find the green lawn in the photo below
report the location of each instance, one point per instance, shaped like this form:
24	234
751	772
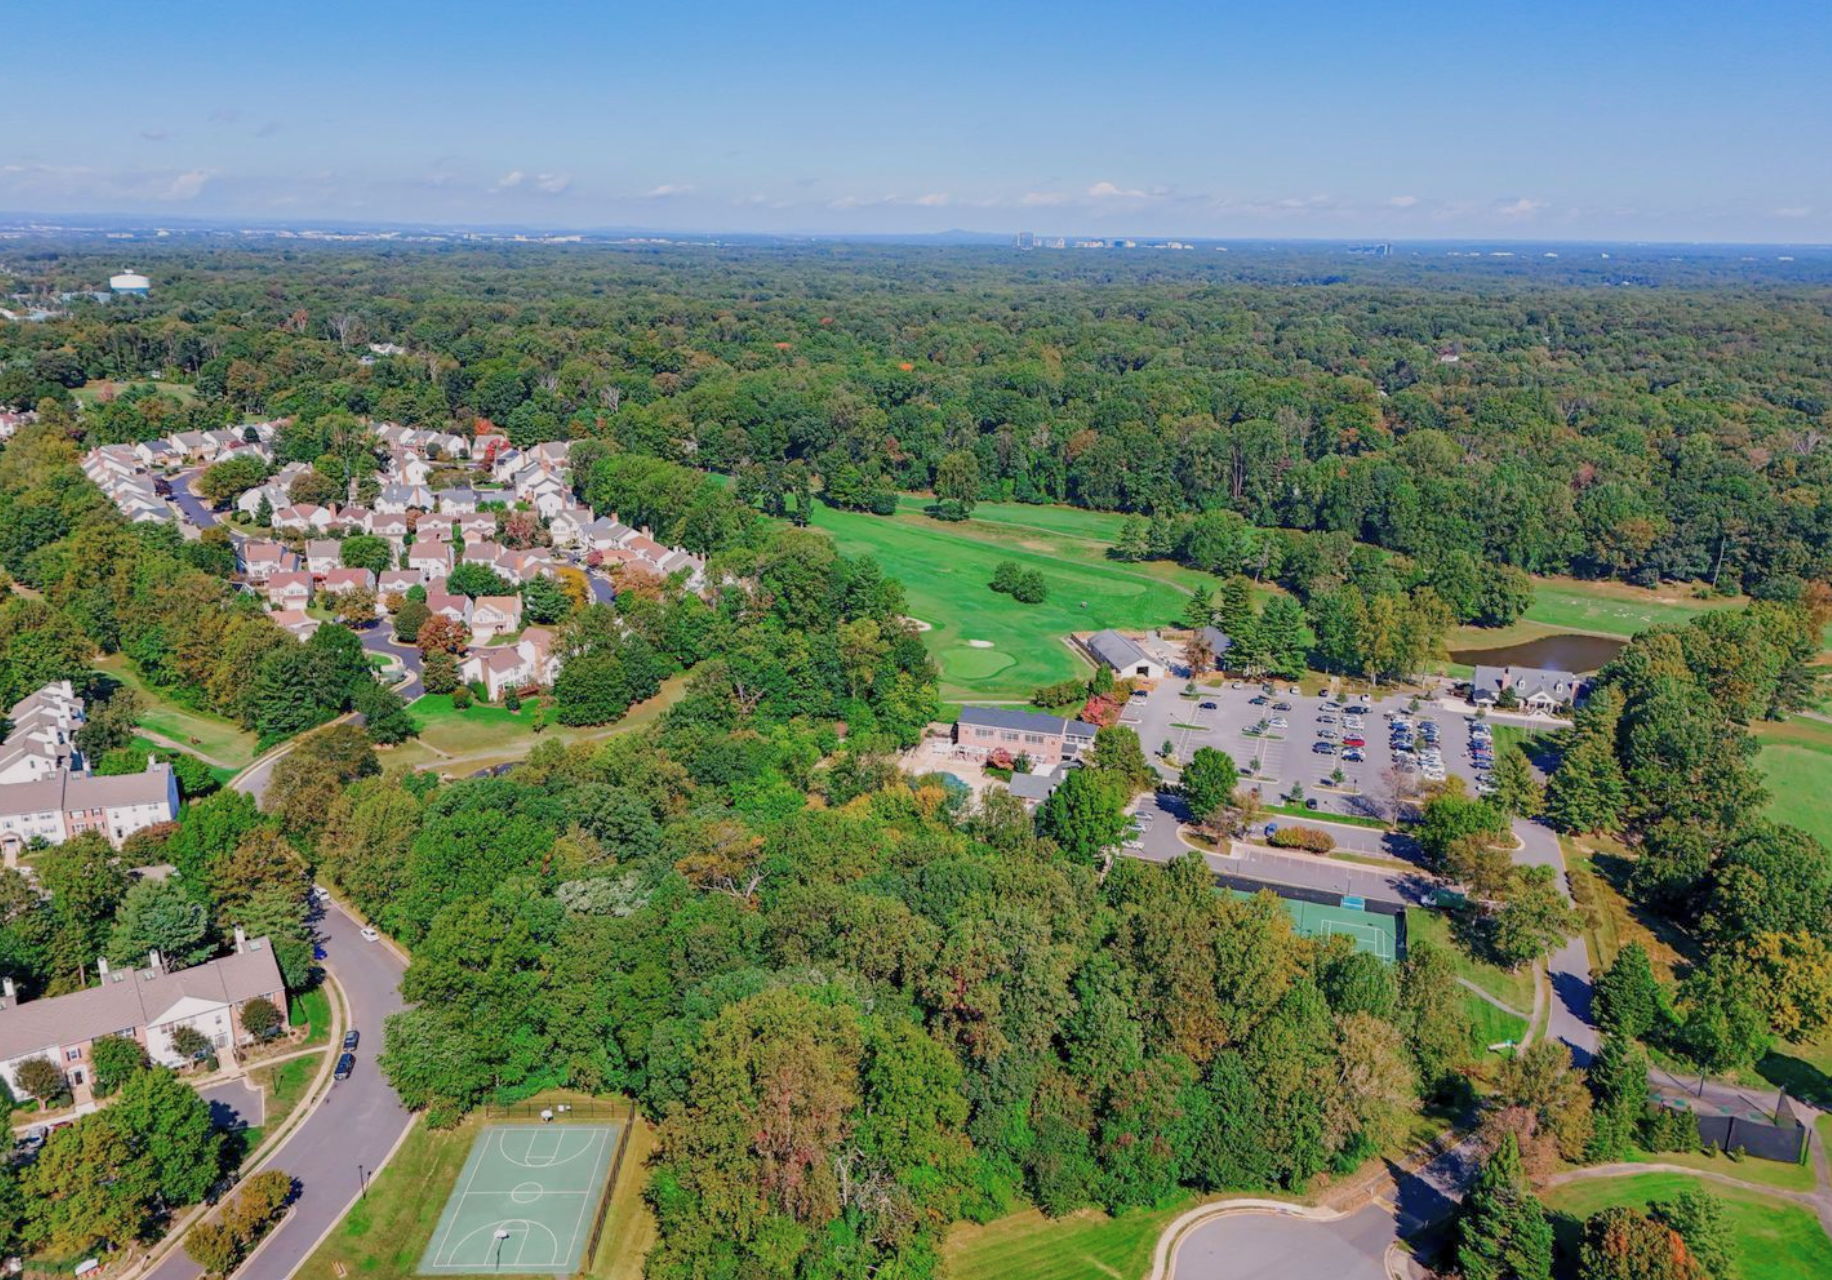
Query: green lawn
487	734
1029	1246
312	1009
1348	819
945	569
223	742
1511	988
1489	1025
1770	1173
94	392
1773	1239
1615	608
1796	758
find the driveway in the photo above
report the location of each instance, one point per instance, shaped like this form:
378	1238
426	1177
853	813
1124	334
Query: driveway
355	1126
194	509
1276	1246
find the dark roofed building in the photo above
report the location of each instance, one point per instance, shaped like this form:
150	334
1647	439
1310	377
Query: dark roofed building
1124	655
1537	688
1047	740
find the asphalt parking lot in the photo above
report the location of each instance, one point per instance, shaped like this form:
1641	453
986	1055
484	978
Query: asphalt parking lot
1284	756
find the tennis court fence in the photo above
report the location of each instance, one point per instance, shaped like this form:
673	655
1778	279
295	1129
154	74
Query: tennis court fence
610	1188
594	1109
1324	898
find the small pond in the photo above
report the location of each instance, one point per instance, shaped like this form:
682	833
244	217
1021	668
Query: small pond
1564	652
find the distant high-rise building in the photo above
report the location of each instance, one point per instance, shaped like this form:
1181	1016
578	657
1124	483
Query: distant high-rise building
1026	240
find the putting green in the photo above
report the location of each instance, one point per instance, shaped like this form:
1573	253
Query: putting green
972	664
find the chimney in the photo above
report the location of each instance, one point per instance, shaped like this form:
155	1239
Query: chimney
153	961
101	968
241	940
7	989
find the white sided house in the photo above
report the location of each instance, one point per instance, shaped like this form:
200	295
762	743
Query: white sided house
146	1005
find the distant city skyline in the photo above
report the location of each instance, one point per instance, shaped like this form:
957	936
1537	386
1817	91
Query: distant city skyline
1678	122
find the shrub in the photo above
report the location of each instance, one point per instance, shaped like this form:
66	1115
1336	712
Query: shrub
461	698
260	1018
1005	577
1054	695
512	701
1030	587
1307	838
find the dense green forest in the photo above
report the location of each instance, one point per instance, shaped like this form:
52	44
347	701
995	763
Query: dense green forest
1665	426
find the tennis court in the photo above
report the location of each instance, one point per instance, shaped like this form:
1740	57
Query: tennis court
524	1202
1374	932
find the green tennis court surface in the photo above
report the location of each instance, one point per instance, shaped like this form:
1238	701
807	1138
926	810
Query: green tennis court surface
524	1202
1375	933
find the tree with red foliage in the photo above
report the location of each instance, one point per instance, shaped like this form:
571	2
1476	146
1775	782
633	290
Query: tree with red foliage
440	634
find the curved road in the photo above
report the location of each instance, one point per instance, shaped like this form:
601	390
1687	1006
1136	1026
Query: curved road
356	1124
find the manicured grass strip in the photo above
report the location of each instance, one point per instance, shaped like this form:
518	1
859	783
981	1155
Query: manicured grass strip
1514	989
286	1085
629	1226
1770	1173
1772	1239
1029	1246
1314	815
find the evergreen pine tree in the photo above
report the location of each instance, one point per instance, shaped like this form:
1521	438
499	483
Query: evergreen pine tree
1199	610
1588	791
1502	1233
1282	636
1618	1079
1133	543
1627	1000
1516	789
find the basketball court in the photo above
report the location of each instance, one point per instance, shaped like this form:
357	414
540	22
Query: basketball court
1372	932
525	1201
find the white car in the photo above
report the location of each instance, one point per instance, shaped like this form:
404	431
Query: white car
370	935
1279	722
321	893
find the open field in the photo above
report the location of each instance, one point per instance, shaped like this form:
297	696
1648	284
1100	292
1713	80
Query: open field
103	389
1615	608
945	569
486	734
1513	989
1796	758
219	741
1773	1239
1030	1246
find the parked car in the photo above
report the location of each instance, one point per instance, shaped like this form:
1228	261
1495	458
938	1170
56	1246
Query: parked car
1327	734
1358	710
1281	706
321	893
1279	722
352	1038
345	1065
1323	748
1259	700
1353	756
1208	706
1354	740
370	935
1310	802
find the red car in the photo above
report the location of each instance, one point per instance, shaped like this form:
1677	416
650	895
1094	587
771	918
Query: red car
1354	742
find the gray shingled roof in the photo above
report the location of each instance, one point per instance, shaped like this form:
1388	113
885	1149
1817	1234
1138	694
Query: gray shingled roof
1025	721
135	998
1033	786
1117	651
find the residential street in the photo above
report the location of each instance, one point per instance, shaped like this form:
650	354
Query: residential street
356	1125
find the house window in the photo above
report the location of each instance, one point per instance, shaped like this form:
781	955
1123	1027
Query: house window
73	1055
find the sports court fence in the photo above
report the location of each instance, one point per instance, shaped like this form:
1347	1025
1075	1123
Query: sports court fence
610	1188
594	1109
1324	898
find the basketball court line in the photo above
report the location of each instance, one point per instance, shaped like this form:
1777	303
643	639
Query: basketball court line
505	1213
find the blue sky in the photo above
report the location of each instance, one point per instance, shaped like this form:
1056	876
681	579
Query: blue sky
1553	120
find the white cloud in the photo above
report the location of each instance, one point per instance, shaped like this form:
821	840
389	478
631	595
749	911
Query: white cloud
1521	208
1044	198
934	200
186	186
667	189
1402	202
1108	191
1793	211
549	184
